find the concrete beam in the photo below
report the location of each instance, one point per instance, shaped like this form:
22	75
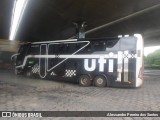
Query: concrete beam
7	45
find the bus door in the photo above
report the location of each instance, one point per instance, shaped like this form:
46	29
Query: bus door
43	61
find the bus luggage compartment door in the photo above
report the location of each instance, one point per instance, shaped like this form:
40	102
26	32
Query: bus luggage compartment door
43	61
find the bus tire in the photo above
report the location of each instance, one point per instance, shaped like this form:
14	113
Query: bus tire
100	81
84	80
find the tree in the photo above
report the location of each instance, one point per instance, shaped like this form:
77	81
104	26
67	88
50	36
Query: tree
153	58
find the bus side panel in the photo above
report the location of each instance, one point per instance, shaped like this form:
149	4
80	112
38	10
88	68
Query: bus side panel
139	62
112	77
43	61
132	69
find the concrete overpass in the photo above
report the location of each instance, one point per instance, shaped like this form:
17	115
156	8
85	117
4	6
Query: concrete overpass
52	19
6	45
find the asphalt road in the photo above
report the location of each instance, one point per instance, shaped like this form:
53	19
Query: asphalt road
18	93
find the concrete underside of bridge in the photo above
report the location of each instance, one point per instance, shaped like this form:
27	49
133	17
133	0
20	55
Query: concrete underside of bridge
45	20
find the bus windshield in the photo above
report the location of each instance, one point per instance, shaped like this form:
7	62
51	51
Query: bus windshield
23	48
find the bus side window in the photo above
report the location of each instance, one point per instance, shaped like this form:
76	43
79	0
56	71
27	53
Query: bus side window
110	44
99	46
113	45
34	50
86	49
78	46
53	49
128	43
62	48
71	48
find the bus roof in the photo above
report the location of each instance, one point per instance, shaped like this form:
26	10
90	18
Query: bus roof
82	39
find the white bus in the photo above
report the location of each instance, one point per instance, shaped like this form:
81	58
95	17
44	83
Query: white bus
116	62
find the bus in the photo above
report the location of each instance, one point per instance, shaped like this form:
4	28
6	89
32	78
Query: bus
115	62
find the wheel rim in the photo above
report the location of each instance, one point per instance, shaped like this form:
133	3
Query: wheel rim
99	80
84	80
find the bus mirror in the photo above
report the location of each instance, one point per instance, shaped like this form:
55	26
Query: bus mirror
14	57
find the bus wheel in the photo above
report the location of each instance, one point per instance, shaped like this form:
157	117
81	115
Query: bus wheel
100	81
84	80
